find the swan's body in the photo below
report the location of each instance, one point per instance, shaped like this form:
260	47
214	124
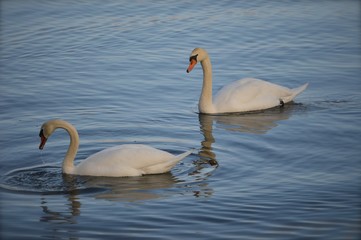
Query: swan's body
118	161
248	94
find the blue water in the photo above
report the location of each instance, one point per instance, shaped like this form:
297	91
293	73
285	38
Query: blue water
116	70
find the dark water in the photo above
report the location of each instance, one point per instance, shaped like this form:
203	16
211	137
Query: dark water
116	70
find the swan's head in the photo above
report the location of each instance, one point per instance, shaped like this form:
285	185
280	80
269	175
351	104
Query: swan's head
45	131
197	55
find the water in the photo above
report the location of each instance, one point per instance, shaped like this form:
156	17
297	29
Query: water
116	70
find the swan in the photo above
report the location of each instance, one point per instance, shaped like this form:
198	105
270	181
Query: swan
118	161
244	95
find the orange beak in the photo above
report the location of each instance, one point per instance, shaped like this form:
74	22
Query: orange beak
192	63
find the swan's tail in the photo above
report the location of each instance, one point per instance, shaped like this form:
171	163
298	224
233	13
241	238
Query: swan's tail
183	155
295	92
172	162
166	166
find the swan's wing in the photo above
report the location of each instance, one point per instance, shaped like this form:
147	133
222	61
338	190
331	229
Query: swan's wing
249	94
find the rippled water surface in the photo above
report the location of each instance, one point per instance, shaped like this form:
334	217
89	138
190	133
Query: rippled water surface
116	70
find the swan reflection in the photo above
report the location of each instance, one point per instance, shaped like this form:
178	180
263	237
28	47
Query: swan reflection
61	216
152	187
133	189
107	188
254	122
206	127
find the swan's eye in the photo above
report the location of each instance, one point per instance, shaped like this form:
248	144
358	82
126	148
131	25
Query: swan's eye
193	58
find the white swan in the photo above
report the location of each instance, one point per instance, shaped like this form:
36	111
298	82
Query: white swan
248	94
119	161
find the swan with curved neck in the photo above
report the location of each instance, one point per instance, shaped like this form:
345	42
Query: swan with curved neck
248	94
119	161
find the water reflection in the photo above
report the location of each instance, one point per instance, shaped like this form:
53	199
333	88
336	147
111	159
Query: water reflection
254	122
116	189
150	187
68	216
133	189
206	126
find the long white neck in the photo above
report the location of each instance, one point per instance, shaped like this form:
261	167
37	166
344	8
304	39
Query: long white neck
68	163
205	104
